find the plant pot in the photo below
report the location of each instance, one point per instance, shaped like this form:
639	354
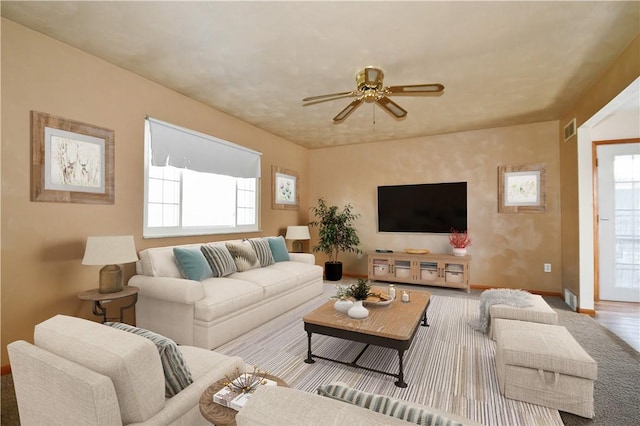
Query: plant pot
459	251
343	305
333	271
358	311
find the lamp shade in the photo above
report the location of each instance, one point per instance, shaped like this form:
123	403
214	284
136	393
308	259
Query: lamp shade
109	250
297	233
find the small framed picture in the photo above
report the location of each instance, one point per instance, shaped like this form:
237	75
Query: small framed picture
285	189
71	161
521	188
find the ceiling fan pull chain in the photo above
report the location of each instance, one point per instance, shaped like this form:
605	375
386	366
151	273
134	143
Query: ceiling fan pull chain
374	113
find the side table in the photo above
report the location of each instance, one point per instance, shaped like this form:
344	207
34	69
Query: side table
218	414
99	299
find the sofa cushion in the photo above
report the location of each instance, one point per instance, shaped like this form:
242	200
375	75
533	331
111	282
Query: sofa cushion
131	362
224	296
219	258
243	255
385	405
303	272
278	248
176	372
273	281
263	251
192	263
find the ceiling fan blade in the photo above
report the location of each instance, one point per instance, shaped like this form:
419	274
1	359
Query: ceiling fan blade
347	111
415	88
329	96
348	95
392	107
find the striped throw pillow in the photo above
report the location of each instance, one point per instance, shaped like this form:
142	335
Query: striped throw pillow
219	259
243	255
263	251
385	405
177	375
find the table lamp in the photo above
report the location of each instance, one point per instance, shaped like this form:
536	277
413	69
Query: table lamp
297	233
110	251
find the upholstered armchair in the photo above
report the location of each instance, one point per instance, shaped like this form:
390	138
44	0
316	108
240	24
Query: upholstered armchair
80	372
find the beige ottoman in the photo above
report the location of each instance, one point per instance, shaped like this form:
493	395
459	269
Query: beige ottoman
544	365
540	312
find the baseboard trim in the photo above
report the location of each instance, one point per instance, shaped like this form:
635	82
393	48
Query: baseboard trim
5	369
590	312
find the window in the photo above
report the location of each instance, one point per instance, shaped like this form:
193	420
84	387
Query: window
196	184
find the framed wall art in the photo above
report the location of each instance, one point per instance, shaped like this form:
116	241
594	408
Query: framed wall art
284	188
521	188
71	161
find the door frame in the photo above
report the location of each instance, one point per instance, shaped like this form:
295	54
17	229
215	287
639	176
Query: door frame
596	221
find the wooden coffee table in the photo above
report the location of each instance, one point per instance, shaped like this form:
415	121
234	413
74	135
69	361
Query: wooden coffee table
393	326
219	414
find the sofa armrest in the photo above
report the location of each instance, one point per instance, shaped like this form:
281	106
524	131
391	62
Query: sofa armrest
303	258
177	290
53	390
277	405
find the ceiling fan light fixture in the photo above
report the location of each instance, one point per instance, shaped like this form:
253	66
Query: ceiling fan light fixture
373	76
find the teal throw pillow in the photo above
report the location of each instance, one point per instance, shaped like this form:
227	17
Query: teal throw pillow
192	263
278	248
385	405
219	259
177	375
263	251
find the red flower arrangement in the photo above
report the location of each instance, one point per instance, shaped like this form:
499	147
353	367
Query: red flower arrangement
459	239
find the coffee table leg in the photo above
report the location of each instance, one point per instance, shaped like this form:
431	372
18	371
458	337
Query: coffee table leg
309	359
424	319
400	383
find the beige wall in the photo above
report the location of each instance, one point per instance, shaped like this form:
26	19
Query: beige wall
616	78
508	249
43	243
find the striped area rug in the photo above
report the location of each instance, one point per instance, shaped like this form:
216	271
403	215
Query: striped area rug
449	365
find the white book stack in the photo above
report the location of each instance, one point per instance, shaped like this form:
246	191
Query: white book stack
235	400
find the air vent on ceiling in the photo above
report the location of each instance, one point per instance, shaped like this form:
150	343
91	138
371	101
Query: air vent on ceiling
570	130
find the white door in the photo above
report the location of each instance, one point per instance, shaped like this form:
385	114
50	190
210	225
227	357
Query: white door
619	221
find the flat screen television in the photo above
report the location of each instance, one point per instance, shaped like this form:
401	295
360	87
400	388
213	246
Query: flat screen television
423	208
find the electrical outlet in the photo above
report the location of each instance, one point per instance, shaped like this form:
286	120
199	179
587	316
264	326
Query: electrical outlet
547	267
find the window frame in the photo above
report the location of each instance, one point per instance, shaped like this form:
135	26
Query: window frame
182	231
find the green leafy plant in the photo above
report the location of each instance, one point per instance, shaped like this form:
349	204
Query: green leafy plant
342	293
335	230
360	290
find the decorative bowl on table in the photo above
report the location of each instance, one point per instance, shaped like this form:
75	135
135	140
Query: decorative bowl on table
378	299
416	251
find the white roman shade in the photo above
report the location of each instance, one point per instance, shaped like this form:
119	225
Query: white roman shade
187	149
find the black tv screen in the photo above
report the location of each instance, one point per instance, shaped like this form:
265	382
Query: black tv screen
428	208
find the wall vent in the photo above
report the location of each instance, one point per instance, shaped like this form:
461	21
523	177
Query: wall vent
571	300
570	130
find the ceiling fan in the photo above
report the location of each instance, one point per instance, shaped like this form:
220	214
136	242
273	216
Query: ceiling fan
370	89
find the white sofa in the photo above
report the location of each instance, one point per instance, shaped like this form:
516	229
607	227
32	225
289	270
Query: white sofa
79	372
277	406
213	311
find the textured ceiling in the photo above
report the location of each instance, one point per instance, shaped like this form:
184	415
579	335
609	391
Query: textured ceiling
502	63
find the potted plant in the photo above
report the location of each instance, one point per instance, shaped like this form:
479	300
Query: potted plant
336	234
359	291
459	240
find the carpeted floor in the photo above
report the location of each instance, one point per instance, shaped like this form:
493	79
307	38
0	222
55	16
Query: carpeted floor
449	365
617	390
